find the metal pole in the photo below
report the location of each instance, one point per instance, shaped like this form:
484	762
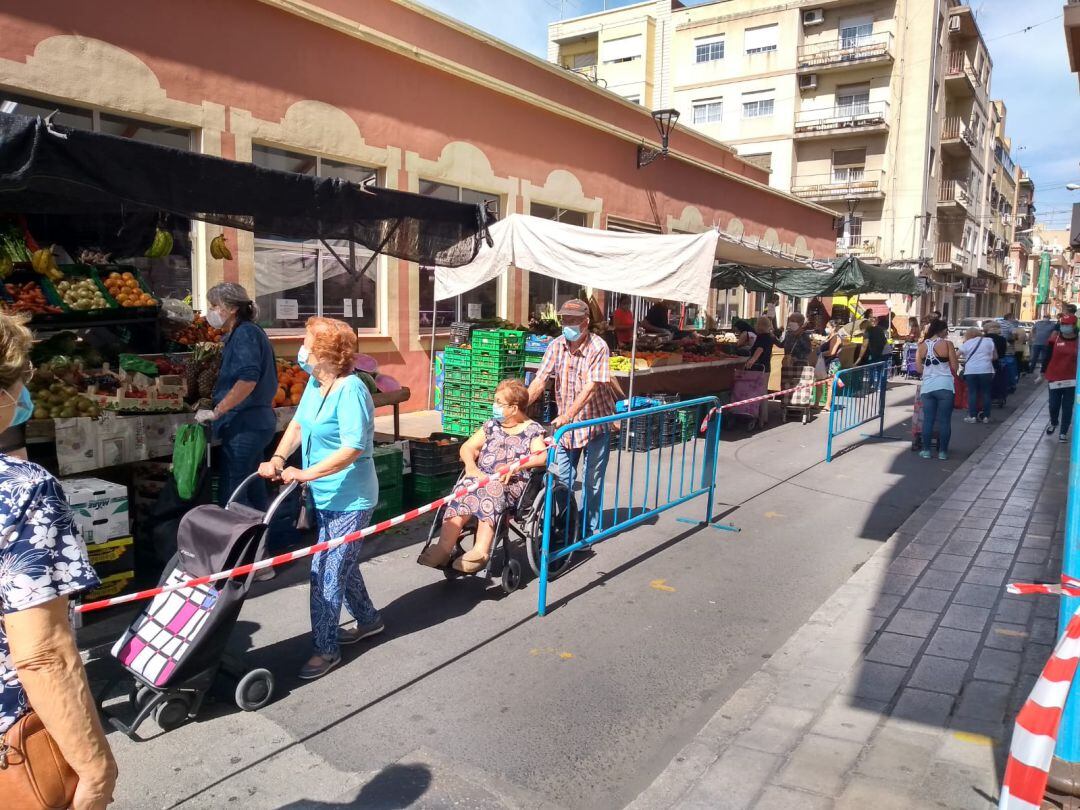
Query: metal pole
1068	742
883	378
832	413
545	543
633	367
431	360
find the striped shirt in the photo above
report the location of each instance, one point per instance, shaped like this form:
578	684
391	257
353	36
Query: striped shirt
573	370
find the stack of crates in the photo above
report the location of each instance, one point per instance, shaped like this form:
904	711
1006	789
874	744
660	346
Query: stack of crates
389	469
473	374
435	467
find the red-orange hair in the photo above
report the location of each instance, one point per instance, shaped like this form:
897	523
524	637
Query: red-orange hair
334	343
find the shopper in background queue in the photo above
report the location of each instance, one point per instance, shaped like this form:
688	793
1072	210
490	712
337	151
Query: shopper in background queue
1022	349
243	415
833	345
875	341
334	426
979	355
745	337
1040	336
761	355
1059	368
1000	385
623	320
914	334
936	363
504	438
43	563
796	339
579	362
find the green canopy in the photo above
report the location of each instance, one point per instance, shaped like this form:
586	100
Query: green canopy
848	277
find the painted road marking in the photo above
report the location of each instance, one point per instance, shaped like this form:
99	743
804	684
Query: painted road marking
974	739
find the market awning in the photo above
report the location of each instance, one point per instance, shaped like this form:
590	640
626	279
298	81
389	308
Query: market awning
54	170
848	277
670	266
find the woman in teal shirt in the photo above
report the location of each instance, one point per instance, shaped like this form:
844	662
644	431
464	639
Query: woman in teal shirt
333	426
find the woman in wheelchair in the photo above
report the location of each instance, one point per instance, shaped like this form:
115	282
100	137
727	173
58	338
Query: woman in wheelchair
506	437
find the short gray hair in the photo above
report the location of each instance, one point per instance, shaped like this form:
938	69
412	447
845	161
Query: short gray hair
233	296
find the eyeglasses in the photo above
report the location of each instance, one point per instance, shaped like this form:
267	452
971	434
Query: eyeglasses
28	372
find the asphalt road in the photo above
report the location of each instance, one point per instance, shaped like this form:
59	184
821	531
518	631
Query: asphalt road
470	700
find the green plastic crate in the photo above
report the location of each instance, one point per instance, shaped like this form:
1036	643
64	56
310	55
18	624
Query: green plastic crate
389	466
494	359
498	339
456	426
482	393
457	375
391	504
490	378
425	489
457	357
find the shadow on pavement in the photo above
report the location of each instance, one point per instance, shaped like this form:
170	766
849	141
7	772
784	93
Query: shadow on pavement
393	788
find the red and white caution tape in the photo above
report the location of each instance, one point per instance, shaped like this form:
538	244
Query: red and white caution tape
1035	733
773	395
281	559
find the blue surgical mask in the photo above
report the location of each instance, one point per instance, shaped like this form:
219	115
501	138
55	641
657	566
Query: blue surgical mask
498	411
1067	331
571	333
302	360
24	408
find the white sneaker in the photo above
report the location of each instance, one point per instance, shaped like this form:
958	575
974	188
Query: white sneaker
985	420
971	420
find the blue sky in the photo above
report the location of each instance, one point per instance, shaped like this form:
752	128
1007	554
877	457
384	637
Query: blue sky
1031	73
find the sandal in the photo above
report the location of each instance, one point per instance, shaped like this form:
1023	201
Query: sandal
471	562
434	557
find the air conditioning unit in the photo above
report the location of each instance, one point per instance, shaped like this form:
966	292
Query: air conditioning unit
814	16
954	23
808	81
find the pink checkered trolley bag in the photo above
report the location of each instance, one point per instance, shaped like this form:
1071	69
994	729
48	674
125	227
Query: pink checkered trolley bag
175	647
747	385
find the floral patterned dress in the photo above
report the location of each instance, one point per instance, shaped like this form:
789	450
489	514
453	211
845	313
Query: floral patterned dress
41	558
500	448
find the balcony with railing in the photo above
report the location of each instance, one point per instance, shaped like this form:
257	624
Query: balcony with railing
950	257
842	184
957	138
953	195
862	247
961	76
846	51
860	117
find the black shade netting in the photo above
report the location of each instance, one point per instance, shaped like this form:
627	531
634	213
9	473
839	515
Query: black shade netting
63	172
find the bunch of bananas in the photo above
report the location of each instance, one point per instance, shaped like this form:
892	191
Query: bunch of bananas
218	248
44	263
161	246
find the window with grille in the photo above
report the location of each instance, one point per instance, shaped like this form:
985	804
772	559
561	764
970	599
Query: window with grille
853	100
708	111
854	33
708	49
848	166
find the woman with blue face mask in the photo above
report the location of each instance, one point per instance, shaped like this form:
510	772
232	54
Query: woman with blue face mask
243	414
1059	369
504	438
13	440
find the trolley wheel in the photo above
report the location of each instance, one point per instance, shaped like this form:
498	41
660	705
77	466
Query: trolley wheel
805	417
171	713
139	695
254	690
511	576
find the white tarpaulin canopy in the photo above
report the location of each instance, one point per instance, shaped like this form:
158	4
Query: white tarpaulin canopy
675	267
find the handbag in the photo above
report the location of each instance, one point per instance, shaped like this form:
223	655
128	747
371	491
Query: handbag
305	518
33	773
963	365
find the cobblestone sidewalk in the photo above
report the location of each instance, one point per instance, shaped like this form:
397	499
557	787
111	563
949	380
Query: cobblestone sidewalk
901	690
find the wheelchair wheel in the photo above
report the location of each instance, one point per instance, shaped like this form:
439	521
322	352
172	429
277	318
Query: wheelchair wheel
511	576
564	529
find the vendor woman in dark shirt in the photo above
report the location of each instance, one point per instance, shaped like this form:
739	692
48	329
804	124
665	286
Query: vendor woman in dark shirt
875	340
761	355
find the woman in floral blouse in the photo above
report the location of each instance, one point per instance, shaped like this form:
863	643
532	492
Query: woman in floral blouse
43	562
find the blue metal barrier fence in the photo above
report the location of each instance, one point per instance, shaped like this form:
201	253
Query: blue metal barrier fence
858	397
660	462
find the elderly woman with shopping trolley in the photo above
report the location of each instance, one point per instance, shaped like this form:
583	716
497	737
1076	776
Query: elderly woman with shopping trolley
334	428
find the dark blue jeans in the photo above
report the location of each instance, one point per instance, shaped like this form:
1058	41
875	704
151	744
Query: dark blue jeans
1061	401
1038	353
241	451
937	406
978	386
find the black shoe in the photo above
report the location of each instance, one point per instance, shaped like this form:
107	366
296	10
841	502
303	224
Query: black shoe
1051	428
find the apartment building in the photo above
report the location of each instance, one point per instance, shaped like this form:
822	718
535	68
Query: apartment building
1021	251
877	109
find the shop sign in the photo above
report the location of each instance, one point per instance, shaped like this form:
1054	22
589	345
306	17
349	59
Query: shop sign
979	285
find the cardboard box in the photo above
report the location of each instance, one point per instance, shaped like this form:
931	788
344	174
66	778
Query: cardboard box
112	585
100	507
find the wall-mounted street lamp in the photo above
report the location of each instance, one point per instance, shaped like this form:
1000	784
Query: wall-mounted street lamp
665	122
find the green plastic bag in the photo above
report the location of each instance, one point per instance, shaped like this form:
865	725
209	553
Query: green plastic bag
189	451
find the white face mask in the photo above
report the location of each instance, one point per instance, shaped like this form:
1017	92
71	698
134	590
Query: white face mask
215	318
